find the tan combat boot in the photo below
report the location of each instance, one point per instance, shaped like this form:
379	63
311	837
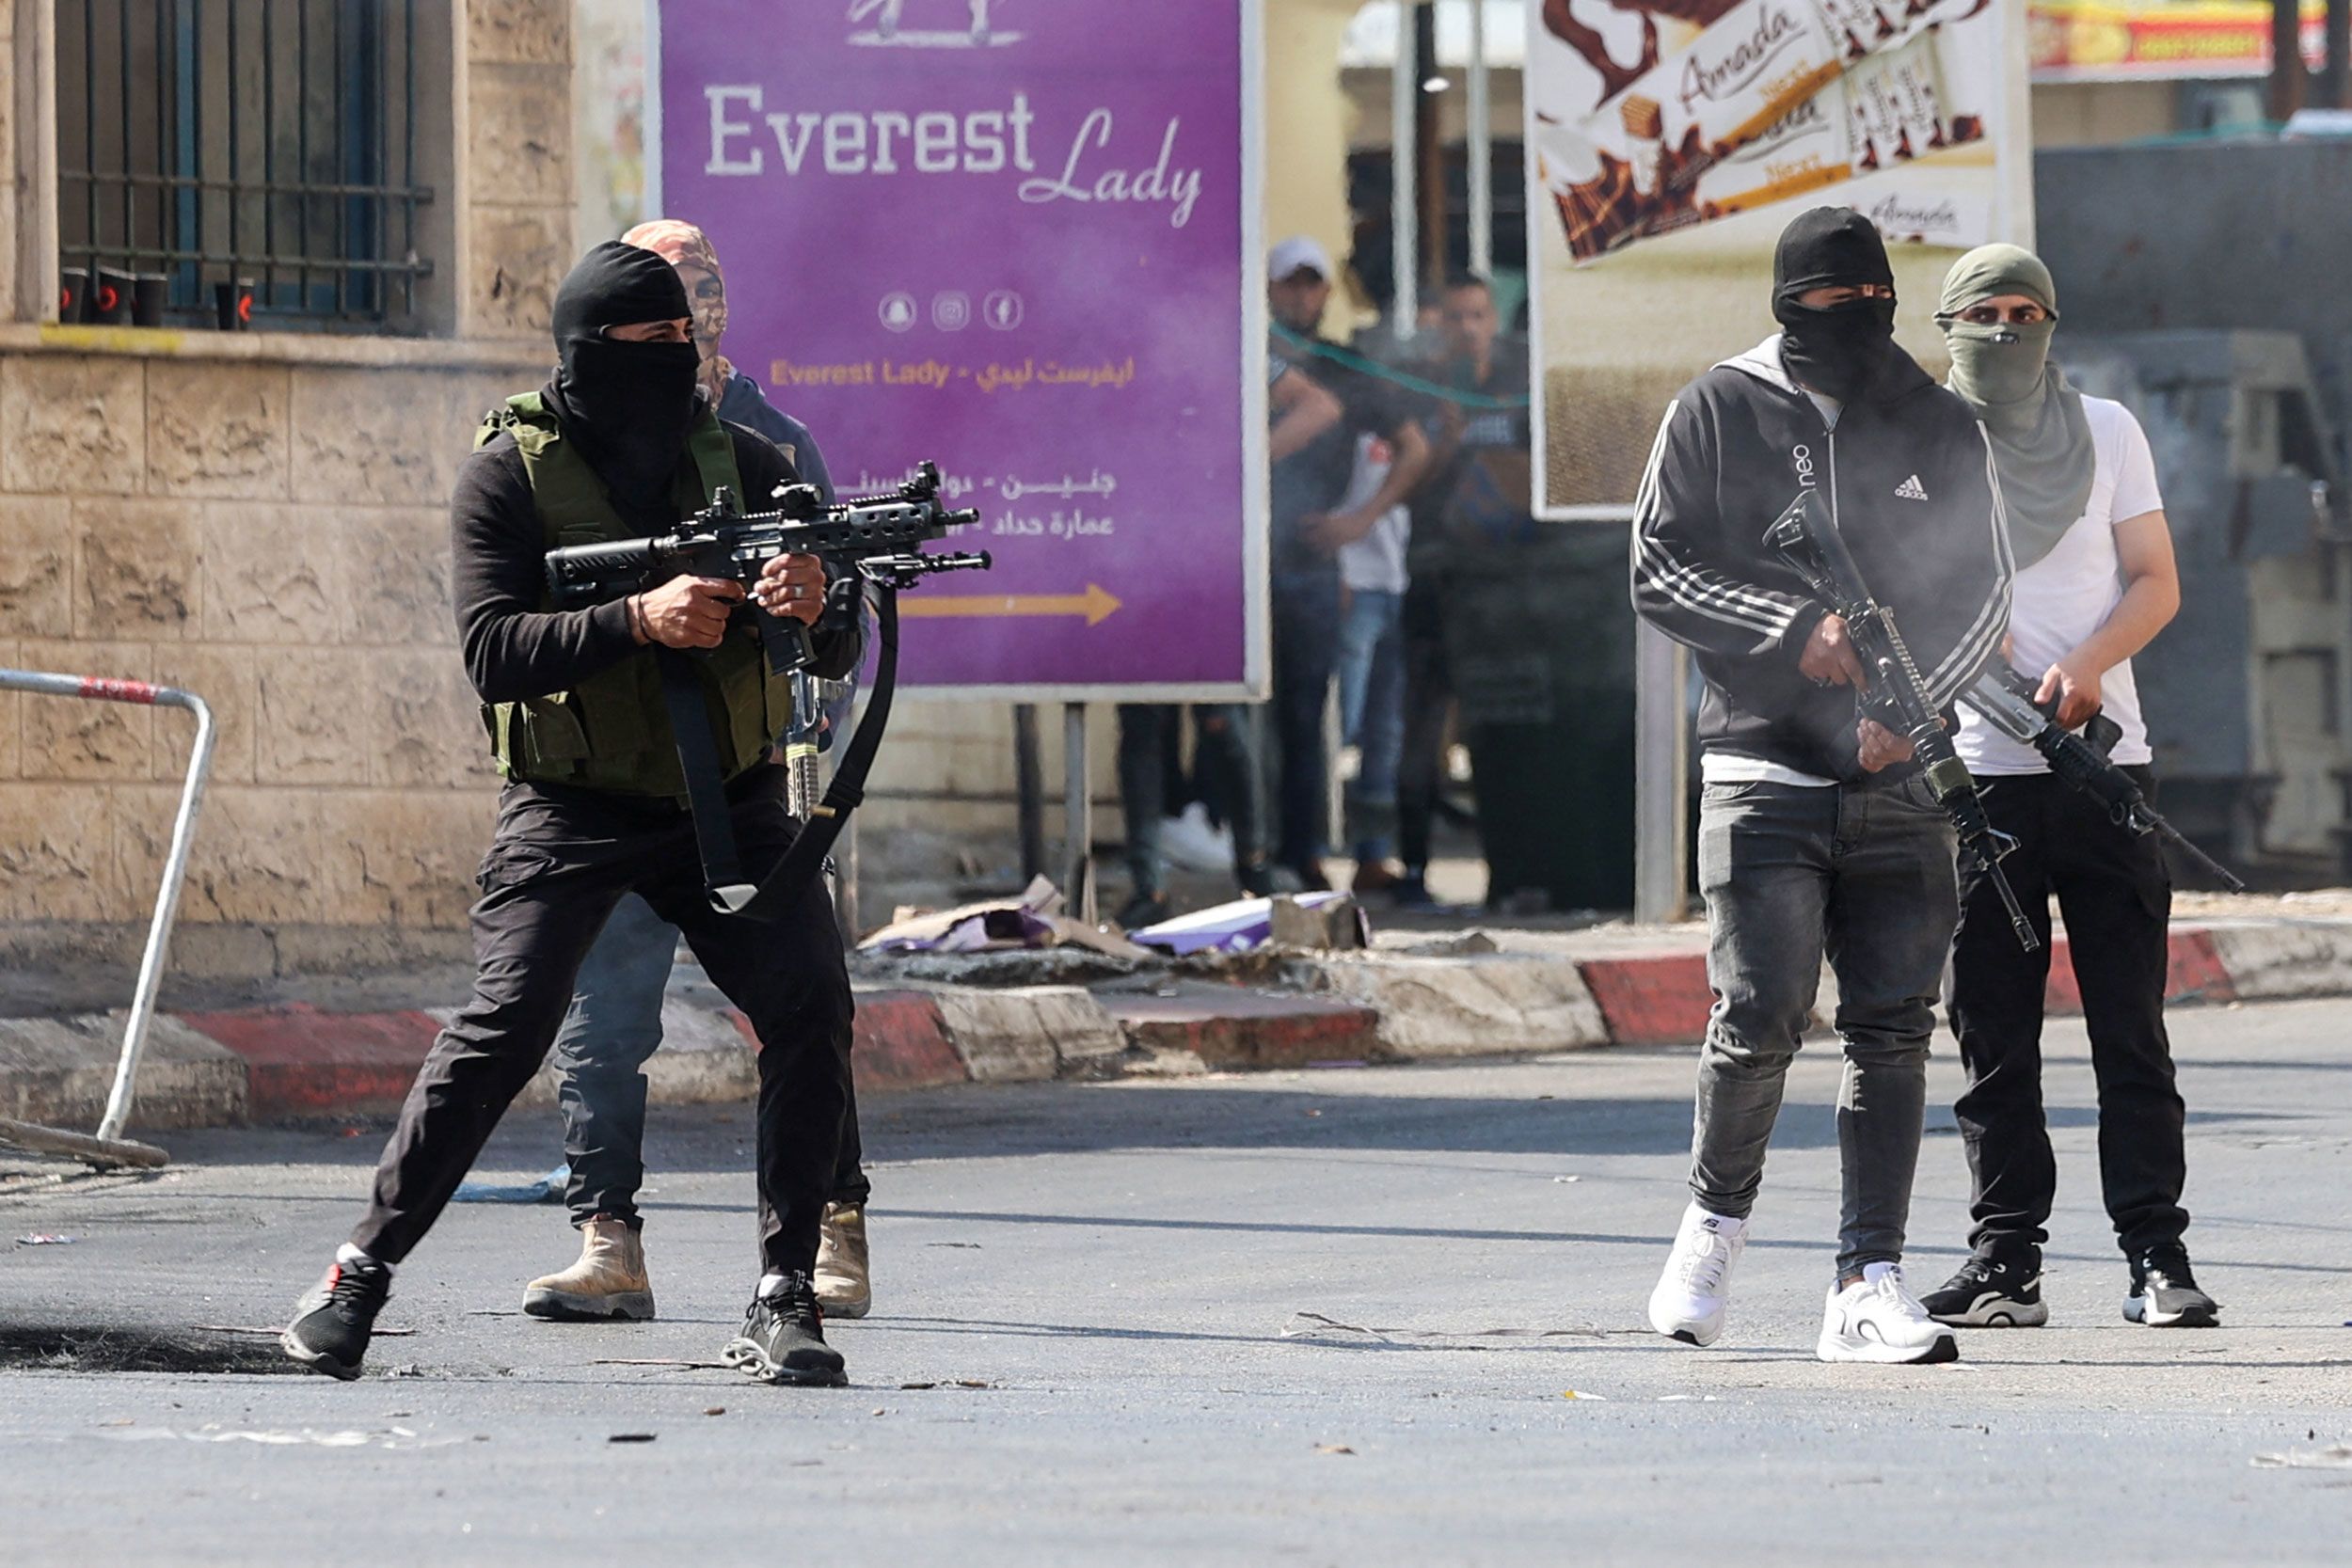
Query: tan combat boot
844	1288
609	1282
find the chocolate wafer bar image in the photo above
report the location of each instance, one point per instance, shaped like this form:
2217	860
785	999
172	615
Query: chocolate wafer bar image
1698	13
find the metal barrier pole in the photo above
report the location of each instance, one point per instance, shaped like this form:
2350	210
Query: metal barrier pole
1661	864
118	1099
1078	815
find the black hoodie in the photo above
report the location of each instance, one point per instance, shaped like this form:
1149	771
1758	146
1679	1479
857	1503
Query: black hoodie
1909	478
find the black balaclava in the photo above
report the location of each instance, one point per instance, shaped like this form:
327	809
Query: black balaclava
1836	349
626	406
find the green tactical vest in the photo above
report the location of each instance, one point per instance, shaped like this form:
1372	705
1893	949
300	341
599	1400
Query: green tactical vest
612	731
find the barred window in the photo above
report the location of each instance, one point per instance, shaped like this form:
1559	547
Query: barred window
203	143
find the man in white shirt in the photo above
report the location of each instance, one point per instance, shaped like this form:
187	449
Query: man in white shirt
2096	583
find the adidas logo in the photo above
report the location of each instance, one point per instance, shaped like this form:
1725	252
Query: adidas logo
1912	490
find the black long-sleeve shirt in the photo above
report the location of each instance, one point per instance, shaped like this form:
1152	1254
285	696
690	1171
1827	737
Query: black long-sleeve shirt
513	649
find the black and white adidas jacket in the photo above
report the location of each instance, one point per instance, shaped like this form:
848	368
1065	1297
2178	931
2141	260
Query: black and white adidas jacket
1909	477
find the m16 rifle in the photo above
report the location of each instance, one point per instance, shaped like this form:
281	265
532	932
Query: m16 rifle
2005	698
872	538
871	545
1895	697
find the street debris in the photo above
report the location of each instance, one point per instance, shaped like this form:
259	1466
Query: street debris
46	1240
1033	919
639	1361
1333	1448
1579	1394
632	1437
2337	1456
1468	944
140	1348
1315	1325
548	1189
1306	920
716	1410
951	1383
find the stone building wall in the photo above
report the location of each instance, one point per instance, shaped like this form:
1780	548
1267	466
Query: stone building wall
263	520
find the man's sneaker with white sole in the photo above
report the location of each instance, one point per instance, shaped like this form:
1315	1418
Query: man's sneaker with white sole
1876	1318
1688	1303
1991	1293
2164	1293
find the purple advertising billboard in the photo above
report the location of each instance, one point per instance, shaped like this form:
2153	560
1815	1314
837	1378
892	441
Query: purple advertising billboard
1018	238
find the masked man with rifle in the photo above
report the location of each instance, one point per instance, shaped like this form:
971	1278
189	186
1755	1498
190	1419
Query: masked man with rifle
619	446
2096	583
614	1024
1817	834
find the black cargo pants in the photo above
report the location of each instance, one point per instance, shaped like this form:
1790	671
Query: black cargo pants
2117	897
560	860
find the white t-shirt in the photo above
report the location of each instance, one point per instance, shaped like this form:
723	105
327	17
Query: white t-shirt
1376	563
2069	593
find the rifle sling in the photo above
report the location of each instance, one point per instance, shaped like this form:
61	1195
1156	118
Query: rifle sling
706	788
714	833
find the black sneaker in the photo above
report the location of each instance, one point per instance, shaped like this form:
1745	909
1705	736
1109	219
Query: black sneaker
1991	1293
335	1317
784	1339
2164	1293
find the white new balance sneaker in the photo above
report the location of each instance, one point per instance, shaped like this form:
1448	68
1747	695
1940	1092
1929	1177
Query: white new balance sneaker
1878	1319
1688	1303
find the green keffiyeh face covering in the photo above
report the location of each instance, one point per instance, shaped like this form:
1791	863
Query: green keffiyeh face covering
2040	436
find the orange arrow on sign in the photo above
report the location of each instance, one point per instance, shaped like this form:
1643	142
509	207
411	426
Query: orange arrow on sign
1097	604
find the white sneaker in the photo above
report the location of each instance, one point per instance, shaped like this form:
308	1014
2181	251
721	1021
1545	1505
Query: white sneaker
1878	1319
1190	842
1688	1303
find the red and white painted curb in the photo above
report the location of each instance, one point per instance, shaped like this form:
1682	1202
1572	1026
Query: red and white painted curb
295	1062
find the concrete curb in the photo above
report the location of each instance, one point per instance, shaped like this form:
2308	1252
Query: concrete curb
284	1063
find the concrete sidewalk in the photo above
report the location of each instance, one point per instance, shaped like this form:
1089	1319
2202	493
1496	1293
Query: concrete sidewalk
1413	996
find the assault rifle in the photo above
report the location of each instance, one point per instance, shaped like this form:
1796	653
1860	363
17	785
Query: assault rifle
872	545
869	538
2005	698
1896	696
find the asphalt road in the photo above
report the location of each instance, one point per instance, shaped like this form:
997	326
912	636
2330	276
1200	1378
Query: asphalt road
1330	1317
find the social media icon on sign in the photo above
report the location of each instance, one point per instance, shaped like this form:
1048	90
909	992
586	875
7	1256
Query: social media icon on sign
898	311
951	311
1002	310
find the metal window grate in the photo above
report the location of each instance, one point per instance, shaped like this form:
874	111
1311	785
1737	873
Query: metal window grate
270	140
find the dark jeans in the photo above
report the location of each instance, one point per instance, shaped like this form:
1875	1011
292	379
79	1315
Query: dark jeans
1305	654
2117	897
1227	779
614	1027
560	862
1421	773
1790	872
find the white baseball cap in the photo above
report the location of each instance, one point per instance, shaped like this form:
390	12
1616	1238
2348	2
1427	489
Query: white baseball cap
1300	251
